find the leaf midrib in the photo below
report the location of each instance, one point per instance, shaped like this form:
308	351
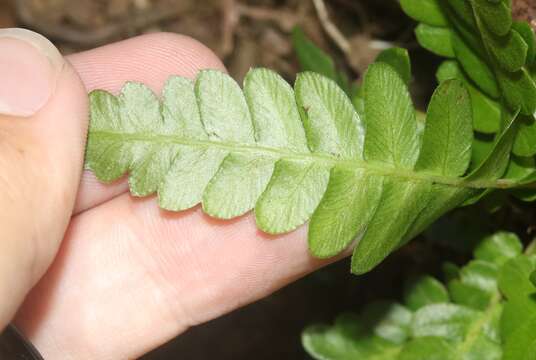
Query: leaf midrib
478	326
382	169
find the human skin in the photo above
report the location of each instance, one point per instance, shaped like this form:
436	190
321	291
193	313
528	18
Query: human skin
114	275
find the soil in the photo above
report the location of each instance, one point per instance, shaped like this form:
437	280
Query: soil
244	33
525	10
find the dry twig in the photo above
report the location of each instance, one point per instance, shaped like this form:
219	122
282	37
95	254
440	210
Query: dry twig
333	32
231	17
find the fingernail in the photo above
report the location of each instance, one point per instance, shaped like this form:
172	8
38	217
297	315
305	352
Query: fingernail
29	69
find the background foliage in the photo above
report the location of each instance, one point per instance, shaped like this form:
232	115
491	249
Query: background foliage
484	310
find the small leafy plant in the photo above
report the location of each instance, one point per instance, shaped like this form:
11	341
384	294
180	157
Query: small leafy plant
484	310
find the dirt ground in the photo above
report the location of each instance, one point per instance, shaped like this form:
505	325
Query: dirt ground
243	33
525	10
246	33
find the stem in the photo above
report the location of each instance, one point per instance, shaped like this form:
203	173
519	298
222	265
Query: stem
334	33
382	169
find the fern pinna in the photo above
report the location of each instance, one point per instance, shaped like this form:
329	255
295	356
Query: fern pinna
298	155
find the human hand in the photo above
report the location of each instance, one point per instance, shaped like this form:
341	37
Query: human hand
128	276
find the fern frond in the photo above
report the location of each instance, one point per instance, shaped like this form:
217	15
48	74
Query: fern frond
299	154
485	310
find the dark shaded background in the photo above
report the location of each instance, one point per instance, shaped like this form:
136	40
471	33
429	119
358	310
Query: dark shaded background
257	33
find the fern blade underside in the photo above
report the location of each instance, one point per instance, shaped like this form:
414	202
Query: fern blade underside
294	155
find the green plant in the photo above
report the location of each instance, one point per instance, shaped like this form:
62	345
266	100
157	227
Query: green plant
484	310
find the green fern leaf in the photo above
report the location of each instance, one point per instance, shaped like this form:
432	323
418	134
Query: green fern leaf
294	155
435	39
399	59
486	111
428	11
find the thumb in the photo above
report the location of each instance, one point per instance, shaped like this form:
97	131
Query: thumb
43	116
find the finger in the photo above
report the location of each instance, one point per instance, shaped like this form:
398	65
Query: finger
42	130
149	59
133	272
